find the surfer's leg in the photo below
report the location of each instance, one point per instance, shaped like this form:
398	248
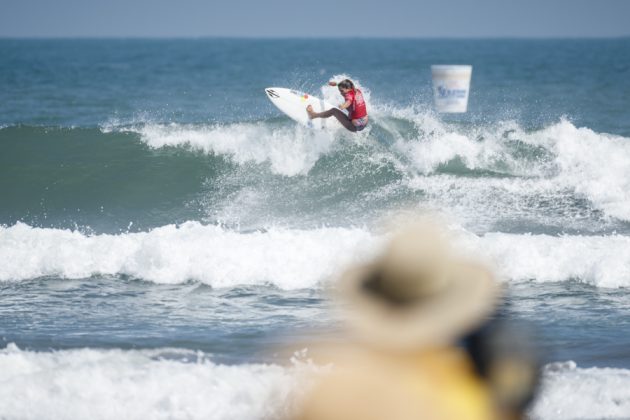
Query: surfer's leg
337	113
342	118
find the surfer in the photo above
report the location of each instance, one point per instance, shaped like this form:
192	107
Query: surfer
355	104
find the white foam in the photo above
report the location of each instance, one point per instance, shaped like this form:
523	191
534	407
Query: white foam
484	202
569	392
603	261
289	259
116	384
432	142
289	150
477	147
169	383
596	165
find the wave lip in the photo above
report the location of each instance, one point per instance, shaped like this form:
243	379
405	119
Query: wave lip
289	150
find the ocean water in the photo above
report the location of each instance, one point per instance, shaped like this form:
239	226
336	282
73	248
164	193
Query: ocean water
164	228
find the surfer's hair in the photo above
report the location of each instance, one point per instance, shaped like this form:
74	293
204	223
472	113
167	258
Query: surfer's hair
346	84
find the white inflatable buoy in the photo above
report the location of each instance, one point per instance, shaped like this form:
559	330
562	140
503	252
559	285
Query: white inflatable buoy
451	85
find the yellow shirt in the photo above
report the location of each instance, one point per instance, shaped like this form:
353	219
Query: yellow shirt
368	385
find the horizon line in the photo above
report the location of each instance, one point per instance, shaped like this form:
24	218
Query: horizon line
314	38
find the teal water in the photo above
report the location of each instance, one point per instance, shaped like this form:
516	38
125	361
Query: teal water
91	82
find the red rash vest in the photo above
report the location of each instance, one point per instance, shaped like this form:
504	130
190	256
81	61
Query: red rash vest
357	108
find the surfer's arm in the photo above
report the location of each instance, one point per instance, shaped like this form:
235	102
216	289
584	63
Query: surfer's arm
345	105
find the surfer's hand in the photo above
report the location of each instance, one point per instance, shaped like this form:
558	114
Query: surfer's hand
310	112
332	83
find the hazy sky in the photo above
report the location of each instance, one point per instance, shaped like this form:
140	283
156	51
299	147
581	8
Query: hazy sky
325	18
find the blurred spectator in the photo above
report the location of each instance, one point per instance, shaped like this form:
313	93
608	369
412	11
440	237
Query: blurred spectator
407	311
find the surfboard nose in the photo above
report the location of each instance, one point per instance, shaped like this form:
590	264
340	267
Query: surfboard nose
272	93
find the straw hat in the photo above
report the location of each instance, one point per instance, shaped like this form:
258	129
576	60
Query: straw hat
418	294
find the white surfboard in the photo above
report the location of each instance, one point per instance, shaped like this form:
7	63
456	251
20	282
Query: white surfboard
294	103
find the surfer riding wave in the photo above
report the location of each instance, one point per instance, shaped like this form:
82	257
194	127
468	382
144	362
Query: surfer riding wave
357	119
